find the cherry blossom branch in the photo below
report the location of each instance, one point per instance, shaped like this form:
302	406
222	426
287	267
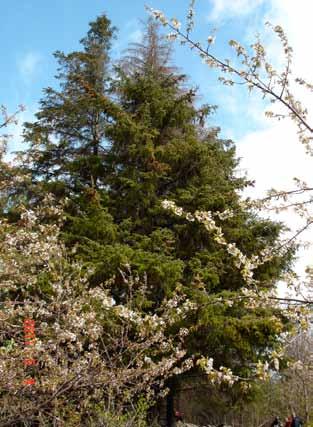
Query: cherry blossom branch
9	119
250	75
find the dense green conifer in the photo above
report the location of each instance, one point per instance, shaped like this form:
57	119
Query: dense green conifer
67	141
160	148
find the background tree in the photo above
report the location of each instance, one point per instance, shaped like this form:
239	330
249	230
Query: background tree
67	142
296	384
67	154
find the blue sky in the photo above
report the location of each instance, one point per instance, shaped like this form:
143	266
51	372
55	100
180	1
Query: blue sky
31	30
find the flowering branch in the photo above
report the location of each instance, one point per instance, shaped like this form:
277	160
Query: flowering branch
7	118
257	72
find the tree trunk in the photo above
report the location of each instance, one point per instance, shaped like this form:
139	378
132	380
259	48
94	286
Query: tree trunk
170	406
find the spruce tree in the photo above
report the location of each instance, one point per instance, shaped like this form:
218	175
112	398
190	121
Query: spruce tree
68	148
67	141
160	148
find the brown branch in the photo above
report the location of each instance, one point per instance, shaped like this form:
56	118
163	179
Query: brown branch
290	205
287	193
286	78
262	86
301	230
245	297
9	119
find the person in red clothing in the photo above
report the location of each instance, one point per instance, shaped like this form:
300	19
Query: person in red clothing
288	422
178	416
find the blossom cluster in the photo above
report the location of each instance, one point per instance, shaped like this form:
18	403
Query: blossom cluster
245	264
88	346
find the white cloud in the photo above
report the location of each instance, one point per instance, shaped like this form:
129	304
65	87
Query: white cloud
273	155
28	65
222	9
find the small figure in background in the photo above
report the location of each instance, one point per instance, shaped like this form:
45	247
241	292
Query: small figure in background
276	422
288	421
178	416
297	422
